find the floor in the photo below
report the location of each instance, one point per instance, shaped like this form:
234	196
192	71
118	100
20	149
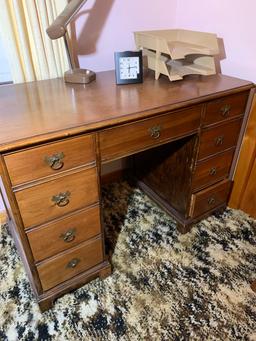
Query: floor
164	286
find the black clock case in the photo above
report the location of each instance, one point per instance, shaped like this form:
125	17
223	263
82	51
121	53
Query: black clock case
118	55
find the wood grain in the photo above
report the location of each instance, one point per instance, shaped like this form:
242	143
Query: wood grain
245	165
167	170
30	164
37	117
131	138
17	230
3	217
225	108
46	299
209	198
228	132
248	201
50	109
48	240
212	170
56	270
36	205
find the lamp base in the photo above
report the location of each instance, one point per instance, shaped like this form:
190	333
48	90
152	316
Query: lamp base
81	76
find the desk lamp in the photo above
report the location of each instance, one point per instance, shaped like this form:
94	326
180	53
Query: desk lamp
57	30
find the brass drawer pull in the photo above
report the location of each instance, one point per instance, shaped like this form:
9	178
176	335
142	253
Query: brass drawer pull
225	110
213	171
219	140
55	161
69	235
155	132
61	199
73	263
211	201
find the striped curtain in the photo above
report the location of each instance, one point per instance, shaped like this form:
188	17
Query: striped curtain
32	55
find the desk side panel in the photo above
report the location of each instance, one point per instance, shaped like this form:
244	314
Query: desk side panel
17	230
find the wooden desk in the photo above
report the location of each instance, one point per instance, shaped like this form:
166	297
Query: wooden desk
54	137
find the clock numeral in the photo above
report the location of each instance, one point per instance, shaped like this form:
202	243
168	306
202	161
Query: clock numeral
128	67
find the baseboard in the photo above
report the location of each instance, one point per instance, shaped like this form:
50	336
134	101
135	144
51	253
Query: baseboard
3	217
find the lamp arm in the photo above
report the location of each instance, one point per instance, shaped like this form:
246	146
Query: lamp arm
58	28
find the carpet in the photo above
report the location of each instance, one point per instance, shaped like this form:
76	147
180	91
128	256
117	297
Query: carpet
164	286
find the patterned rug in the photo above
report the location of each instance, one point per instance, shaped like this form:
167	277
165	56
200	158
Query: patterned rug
165	286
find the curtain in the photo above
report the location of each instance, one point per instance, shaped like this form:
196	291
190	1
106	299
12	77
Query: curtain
32	55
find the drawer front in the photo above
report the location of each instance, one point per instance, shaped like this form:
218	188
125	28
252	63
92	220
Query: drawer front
63	234
130	138
218	139
209	198
212	170
53	199
225	107
65	266
50	159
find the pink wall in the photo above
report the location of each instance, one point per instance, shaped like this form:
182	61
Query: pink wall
102	27
234	22
109	27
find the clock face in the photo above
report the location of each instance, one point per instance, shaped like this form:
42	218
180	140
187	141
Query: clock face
128	66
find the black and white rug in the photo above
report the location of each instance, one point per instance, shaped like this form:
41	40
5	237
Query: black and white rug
165	286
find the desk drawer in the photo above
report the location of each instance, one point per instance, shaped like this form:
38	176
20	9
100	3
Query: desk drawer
212	170
66	265
130	138
225	107
52	199
50	159
209	198
48	240
218	139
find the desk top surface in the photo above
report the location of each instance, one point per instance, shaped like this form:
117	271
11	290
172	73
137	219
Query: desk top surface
46	110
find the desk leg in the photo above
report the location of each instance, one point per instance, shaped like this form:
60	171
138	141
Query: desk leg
184	228
45	304
253	285
105	272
